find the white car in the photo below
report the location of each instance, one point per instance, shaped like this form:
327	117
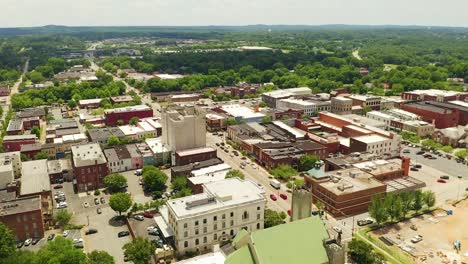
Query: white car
416	239
77	240
338	229
149	228
28	242
65	233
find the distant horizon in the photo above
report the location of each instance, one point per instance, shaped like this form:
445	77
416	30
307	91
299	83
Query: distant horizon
431	13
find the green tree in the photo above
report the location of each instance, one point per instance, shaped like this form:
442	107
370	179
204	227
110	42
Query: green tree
447	149
262	104
139	250
36	131
406	202
429	199
307	162
273	218
120	202
72	104
231	121
134	121
7	242
267	119
366	109
113	141
461	154
41	155
99	257
284	172
154	179
377	210
115	182
60	250
393	206
120	122
62	217
362	253
417	201
179	183
235	173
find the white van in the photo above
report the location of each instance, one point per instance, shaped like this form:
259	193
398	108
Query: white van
276	184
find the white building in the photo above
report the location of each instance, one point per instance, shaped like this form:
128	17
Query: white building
309	107
183	128
161	152
198	222
242	113
382	117
374	143
10	168
271	98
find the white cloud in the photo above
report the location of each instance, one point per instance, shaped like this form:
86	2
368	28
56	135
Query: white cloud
232	12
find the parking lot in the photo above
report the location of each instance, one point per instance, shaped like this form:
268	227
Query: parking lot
438	230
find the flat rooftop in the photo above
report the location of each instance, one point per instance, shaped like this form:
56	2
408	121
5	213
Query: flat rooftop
34	177
378	167
87	155
128	109
211	169
237	110
370	139
350	180
194	151
219	195
20	205
435	92
429	107
460	103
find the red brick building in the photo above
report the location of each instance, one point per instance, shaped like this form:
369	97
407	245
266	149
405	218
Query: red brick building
184	157
14	143
112	116
440	117
23	216
244	89
89	167
290	114
31	122
434	95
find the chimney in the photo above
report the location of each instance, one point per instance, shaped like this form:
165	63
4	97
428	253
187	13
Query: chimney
405	165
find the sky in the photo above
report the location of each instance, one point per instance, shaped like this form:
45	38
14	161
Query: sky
26	13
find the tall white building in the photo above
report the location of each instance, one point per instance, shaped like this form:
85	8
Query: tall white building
200	221
183	128
309	107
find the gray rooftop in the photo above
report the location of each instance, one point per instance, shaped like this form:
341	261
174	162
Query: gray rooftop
20	205
87	155
35	177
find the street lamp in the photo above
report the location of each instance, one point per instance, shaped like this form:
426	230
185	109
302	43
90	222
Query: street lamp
458	193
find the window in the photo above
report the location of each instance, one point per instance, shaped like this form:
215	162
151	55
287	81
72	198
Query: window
258	216
205	240
215	237
197	241
232	222
185	234
196	231
232	214
258	208
204	221
224	224
232	232
215	227
245	215
258	225
196	223
205	230
186	244
224	216
185	224
215	218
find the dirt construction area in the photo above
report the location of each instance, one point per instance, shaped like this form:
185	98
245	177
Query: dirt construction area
438	232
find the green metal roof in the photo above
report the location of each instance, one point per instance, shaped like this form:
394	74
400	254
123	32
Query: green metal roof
239	236
292	243
240	256
316	173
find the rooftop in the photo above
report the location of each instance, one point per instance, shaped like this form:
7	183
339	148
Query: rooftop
378	167
90	101
34	177
237	110
218	195
20	205
121	98
15	125
301	241
156	145
435	92
429	107
128	109
189	152
460	103
197	165
20	137
349	181
87	155
371	139
210	169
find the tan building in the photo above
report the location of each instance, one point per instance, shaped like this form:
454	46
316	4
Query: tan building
341	105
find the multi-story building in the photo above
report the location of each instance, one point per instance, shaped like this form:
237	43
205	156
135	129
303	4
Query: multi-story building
89	166
161	152
309	107
10	167
366	101
434	95
101	135
200	221
439	116
205	175
24	217
271	98
375	144
216	122
14	143
341	105
183	128
240	113
420	128
15	127
187	156
124	114
182	98
90	103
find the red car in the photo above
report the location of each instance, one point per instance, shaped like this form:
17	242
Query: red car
283	196
148	215
289	212
58	187
441	181
273	197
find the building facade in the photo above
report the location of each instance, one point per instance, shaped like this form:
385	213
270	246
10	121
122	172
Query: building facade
89	167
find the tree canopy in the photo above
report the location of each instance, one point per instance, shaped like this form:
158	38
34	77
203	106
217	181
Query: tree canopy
139	250
120	202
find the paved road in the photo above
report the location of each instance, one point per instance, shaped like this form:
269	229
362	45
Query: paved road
14	90
450	167
258	175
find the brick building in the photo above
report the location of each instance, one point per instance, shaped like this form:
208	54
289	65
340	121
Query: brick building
89	166
439	116
14	143
112	116
434	95
288	114
184	157
23	216
366	101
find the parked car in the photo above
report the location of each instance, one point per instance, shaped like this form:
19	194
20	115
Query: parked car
77	240
273	197
441	181
96	201
20	244
138	172
283	196
99	211
123	234
416	239
91	231
58	186
103	201
148	214
153	232
27	242
50	237
419	166
420	152
78	245
364	222
445	177
65	233
138	217
414	169
406	151
35	241
149	228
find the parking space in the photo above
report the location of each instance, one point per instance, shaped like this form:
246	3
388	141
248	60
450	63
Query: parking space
147	229
134	187
430	238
